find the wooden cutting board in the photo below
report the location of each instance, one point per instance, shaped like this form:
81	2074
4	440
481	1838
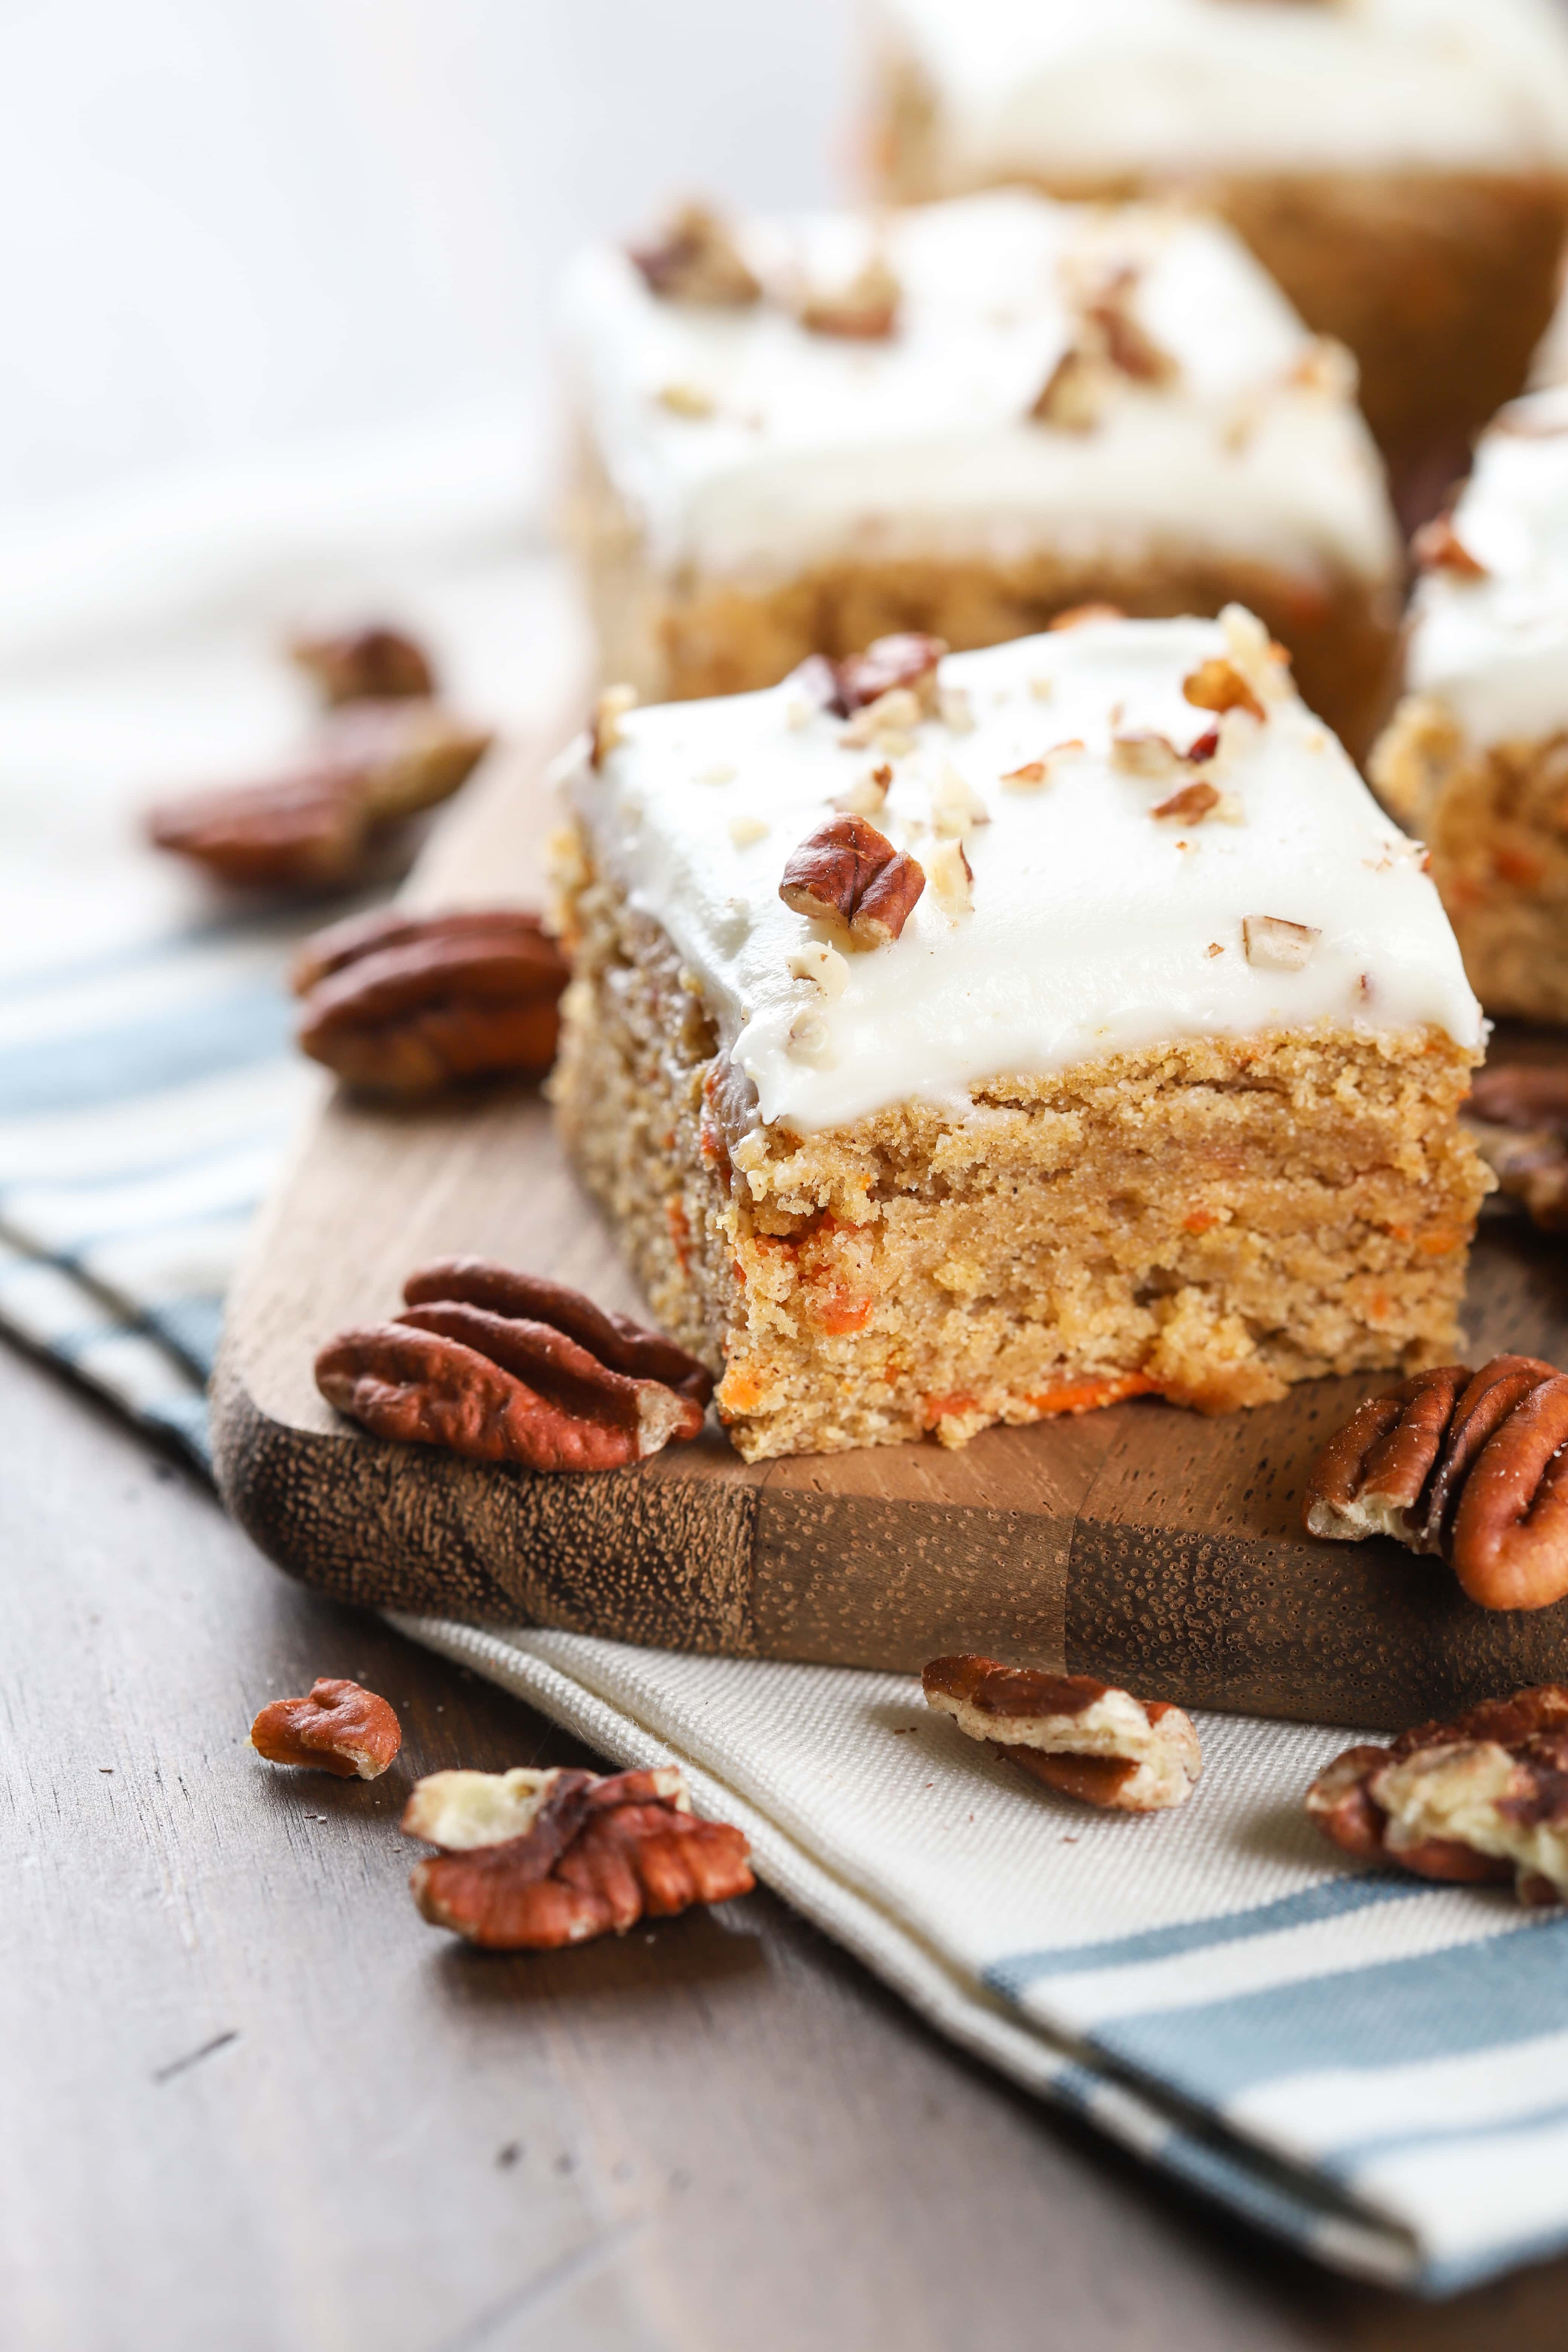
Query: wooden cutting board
1141	1543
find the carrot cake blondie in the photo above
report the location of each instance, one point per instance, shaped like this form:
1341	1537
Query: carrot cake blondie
1476	758
1401	166
966	418
966	1039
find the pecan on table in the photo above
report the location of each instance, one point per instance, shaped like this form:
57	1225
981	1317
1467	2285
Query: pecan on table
849	877
370	664
313	824
1482	1798
406	1004
696	259
1518	1117
504	1368
1463	1464
1083	1738
530	1861
338	1727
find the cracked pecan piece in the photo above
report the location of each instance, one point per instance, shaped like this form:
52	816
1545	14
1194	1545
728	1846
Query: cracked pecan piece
338	1727
406	1004
849	877
1479	1799
905	662
313	824
498	1385
1083	1738
696	259
1518	1115
370	664
1463	1464
530	1861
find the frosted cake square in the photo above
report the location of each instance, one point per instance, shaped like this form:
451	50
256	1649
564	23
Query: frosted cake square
1476	758
1401	166
799	436
969	1040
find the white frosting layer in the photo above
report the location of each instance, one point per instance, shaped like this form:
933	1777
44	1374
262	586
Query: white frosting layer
1496	648
816	446
1066	89
1094	925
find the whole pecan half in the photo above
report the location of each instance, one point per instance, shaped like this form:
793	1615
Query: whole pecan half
498	1385
1518	1116
849	875
406	1004
696	259
540	1860
1463	1464
337	1726
313	824
370	664
1084	1738
1484	1798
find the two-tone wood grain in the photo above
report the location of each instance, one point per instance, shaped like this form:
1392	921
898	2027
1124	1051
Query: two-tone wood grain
1141	1543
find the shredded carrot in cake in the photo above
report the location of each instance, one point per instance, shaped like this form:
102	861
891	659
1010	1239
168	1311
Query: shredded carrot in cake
1088	1396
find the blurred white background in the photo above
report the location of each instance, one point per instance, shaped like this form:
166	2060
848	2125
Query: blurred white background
228	226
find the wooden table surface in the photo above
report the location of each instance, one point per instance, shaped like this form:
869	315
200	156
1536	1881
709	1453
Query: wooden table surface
251	2101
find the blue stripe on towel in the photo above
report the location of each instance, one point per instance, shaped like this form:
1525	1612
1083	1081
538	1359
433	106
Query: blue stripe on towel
1331	1900
168	1049
1513	1987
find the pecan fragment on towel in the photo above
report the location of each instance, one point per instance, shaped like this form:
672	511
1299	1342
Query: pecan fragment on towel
864	308
337	1726
370	664
313	823
530	1861
849	875
1518	1115
406	1004
1080	1736
1463	1464
696	259
501	1368
1483	1797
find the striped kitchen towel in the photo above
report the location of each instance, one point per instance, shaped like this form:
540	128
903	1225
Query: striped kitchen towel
1372	2068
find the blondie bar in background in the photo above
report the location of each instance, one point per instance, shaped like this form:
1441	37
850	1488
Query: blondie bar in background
1401	166
1063	1023
1476	759
965	419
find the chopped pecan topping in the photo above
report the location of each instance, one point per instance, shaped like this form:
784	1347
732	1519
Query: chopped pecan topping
1141	751
371	664
866	309
406	1004
1463	1464
504	1367
888	665
336	1728
1081	1736
1075	616
532	1861
1483	1797
1271	942
696	259
848	875
1191	803
1437	547
1219	684
606	729
952	877
315	823
1108	341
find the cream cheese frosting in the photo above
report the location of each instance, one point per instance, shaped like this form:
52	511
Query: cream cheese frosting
745	444
1204	86
1494	647
1087	925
